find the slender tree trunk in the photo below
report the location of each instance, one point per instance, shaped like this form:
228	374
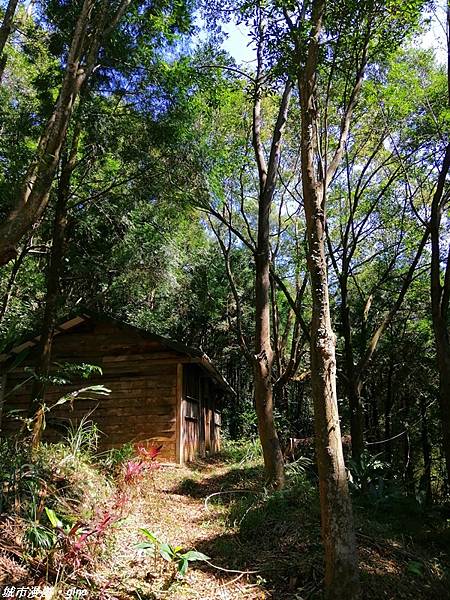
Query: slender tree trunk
408	450
426	452
353	381
388	403
39	178
443	353
51	303
375	428
12	280
356	418
299	394
341	568
53	288
280	395
440	296
341	572
5	30
264	356
440	290
90	30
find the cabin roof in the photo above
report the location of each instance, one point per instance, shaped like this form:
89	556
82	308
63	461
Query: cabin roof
196	354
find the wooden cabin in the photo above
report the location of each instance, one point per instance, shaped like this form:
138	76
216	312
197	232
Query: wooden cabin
162	392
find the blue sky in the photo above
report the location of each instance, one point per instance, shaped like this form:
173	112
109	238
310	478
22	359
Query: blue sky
237	42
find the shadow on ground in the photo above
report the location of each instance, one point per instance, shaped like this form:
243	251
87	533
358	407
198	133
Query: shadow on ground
248	477
274	539
265	533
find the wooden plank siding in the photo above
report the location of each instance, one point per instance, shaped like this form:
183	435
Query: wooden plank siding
202	420
149	399
137	409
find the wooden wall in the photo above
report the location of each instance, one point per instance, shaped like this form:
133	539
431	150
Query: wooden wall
202	419
139	372
150	388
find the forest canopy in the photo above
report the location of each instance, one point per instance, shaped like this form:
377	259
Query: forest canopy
287	215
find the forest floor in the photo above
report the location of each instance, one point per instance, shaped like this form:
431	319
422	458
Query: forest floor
260	544
265	545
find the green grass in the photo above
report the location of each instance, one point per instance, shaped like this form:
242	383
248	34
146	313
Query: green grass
241	452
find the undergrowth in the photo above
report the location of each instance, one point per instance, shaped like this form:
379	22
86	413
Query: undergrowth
60	507
69	513
239	452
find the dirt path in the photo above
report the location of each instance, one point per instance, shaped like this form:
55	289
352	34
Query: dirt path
269	542
167	508
263	544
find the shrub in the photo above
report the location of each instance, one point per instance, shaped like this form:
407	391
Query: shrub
255	513
113	460
174	555
58	480
82	438
241	451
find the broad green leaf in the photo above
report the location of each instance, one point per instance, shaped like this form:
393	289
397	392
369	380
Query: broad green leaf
145	546
53	518
148	534
166	552
194	555
416	567
182	567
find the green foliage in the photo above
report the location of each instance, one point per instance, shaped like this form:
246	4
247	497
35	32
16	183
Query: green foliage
82	437
242	451
53	518
43	496
83	370
40	538
256	513
114	459
367	473
415	567
22	479
172	554
298	469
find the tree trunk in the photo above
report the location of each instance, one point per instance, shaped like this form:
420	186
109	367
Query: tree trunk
375	431
263	363
341	572
12	280
356	419
425	482
388	403
264	357
90	29
408	450
5	30
53	288
341	569
440	296
273	456
39	178
443	354
51	302
353	382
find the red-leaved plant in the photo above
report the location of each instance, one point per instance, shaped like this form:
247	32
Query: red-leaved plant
80	540
79	547
134	470
150	453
